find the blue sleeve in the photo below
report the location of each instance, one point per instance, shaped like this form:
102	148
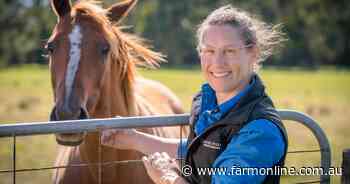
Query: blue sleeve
258	144
182	149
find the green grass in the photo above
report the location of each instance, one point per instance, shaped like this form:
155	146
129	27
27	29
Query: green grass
25	96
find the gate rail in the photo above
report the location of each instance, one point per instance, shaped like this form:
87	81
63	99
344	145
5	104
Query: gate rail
89	125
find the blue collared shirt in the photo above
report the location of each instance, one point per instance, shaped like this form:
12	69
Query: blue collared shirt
258	144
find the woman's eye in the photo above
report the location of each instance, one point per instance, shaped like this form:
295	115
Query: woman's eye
231	51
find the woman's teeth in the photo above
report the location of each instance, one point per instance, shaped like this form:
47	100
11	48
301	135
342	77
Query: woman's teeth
220	74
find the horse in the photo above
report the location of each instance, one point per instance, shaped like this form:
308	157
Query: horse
92	62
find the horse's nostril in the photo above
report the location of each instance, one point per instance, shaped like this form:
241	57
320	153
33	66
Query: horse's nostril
59	113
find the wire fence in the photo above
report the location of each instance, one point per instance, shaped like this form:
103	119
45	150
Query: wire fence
91	125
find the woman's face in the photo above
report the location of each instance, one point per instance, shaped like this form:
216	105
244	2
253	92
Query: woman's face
226	62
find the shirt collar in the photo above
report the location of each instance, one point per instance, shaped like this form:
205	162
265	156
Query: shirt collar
209	101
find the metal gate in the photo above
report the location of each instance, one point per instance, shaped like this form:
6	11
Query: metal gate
90	125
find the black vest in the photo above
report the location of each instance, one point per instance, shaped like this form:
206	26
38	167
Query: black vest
204	149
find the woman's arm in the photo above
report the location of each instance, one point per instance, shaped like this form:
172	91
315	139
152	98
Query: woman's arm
139	141
148	144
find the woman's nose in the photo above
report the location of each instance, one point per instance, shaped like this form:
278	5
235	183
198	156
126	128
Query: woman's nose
218	58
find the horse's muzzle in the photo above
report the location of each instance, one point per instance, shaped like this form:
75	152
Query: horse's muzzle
69	139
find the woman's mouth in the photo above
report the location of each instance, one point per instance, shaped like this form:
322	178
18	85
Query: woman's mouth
220	74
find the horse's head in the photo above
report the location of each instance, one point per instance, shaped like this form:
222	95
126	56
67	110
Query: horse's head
80	50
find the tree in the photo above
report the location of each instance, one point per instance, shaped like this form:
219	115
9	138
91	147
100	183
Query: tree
318	30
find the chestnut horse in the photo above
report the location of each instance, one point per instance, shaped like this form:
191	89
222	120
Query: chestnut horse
93	71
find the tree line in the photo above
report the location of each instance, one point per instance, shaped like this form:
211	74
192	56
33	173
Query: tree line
318	31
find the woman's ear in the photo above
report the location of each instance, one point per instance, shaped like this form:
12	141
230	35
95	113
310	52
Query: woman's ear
119	11
255	52
254	57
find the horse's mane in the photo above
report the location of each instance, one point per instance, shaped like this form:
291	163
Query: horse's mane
127	50
141	54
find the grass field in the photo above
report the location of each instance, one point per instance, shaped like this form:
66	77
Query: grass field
25	96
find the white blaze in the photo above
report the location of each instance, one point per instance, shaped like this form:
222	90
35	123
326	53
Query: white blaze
75	38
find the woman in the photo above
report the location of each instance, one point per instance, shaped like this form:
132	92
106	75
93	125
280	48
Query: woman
234	124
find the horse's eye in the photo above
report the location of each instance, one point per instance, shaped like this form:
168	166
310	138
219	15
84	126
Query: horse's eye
105	49
50	47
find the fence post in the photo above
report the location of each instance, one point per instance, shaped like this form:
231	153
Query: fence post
345	178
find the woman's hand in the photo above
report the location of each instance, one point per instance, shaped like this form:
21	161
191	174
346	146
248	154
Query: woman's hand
162	169
119	138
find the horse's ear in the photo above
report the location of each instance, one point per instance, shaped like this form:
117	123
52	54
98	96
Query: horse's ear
61	7
120	10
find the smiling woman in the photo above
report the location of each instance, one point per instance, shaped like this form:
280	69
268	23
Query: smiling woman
233	121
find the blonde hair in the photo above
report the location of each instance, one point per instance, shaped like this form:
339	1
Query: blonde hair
267	38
